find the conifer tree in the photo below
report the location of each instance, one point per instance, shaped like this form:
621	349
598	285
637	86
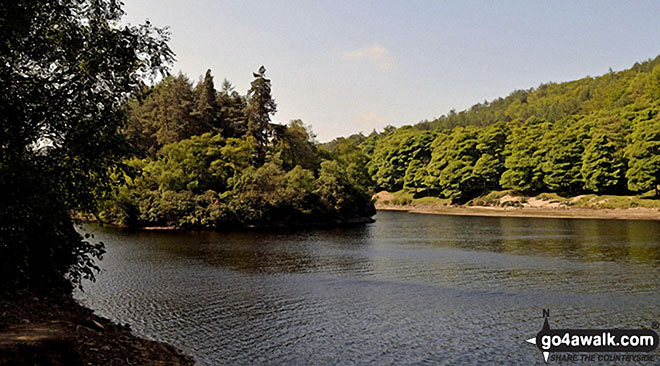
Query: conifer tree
232	111
525	151
452	168
260	105
601	170
207	105
643	155
563	160
489	167
166	115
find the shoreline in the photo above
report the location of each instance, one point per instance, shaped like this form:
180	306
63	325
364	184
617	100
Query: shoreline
533	212
55	329
242	228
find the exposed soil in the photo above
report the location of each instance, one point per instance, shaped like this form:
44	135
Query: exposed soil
521	206
56	330
638	213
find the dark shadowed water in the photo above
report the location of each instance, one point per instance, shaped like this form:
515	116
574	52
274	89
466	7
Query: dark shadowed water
408	289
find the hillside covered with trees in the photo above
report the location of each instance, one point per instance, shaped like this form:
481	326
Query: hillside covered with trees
594	135
214	159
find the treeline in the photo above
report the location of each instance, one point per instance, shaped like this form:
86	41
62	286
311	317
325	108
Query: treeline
554	101
214	159
598	135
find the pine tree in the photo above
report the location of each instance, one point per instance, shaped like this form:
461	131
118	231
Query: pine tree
563	159
166	115
232	111
643	155
489	167
525	153
415	178
602	170
451	170
260	105
207	106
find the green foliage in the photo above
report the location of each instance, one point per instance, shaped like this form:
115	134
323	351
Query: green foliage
602	170
166	114
451	170
490	165
229	166
208	181
465	162
207	111
637	86
643	155
232	105
294	145
338	196
349	155
260	105
589	135
524	156
66	70
416	177
392	154
563	160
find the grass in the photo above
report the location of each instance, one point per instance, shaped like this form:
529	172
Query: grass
490	199
610	201
646	200
404	197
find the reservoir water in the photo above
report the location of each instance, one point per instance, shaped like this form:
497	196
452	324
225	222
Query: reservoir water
409	289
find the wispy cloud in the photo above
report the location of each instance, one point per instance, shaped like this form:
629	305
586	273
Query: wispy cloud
375	53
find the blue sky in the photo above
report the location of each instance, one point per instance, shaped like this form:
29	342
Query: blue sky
350	66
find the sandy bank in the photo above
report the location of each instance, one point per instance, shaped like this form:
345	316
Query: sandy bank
569	213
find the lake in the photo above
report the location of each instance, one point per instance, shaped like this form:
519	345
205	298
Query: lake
407	289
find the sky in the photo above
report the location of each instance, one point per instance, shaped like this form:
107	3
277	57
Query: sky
345	67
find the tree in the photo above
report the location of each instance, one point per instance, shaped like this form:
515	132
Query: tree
563	160
643	155
260	105
451	171
293	145
393	153
602	170
339	198
232	111
416	178
207	105
524	157
347	152
488	168
66	69
165	115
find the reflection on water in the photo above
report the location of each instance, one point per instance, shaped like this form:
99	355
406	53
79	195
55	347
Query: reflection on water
407	289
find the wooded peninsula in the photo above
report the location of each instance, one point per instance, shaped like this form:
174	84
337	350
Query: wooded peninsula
214	159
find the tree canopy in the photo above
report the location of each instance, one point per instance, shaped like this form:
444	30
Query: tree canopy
66	70
596	134
229	165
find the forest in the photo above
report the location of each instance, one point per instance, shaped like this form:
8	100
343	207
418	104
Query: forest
594	135
205	158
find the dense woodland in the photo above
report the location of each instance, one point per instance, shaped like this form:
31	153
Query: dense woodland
599	135
213	159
